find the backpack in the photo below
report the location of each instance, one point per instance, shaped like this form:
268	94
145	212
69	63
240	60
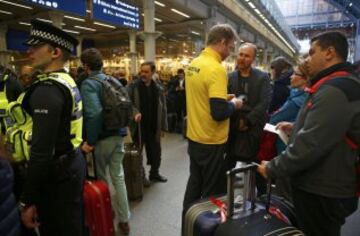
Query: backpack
313	89
116	103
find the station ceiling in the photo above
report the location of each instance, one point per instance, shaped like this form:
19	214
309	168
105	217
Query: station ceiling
173	26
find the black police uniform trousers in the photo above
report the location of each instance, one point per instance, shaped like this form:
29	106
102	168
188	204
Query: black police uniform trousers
318	215
61	206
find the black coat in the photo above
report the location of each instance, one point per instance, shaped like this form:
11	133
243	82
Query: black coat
244	144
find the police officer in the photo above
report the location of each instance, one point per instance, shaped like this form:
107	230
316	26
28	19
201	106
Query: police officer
10	89
52	195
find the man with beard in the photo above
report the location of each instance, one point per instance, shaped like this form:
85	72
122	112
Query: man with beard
246	124
149	107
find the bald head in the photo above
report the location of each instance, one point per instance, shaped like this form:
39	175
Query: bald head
246	56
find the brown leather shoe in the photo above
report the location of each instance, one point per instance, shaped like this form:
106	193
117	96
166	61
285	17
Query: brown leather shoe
124	227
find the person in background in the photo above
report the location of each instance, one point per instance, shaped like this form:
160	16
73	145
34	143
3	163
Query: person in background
53	189
289	110
322	154
208	111
281	70
150	107
121	76
180	99
9	212
246	124
108	145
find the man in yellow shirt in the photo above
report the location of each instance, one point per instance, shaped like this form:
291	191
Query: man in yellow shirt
208	111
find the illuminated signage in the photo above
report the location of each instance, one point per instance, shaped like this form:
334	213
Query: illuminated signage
116	12
78	8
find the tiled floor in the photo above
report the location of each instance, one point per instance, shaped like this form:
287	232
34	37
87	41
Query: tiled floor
159	213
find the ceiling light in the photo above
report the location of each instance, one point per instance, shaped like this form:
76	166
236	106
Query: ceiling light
16	4
105	25
6	12
350	4
74	18
47	21
160	4
71	31
44	20
24	23
157	19
194	32
257	11
85	28
251	5
180	13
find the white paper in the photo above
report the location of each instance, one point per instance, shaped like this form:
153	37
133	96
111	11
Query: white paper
272	128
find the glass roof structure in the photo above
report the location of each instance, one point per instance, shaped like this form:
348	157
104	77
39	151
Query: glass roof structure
320	13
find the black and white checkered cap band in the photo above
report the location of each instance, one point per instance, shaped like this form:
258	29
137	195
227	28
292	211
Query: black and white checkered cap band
51	37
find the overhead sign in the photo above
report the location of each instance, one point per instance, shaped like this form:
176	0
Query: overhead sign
116	12
78	8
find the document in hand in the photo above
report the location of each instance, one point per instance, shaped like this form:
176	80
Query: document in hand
272	128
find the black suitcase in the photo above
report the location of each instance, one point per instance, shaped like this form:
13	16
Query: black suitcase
203	217
254	218
133	169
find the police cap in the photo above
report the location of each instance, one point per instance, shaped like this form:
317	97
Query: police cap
42	32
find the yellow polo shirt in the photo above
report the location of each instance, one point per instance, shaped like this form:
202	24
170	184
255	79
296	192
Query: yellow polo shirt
205	78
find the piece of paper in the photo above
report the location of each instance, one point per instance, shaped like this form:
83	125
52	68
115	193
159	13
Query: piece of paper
272	128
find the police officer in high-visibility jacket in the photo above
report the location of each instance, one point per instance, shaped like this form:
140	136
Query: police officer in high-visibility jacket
10	89
52	195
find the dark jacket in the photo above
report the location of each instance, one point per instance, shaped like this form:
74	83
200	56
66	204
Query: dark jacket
253	111
134	94
281	91
318	158
9	213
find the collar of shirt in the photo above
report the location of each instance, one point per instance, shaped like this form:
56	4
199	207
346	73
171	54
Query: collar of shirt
212	53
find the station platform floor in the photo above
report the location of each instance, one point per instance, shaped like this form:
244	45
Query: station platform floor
159	213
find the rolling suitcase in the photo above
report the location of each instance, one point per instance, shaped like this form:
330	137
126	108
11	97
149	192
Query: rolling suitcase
254	218
98	211
133	170
203	218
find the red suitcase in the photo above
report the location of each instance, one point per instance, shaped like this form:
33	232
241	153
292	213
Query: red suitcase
98	213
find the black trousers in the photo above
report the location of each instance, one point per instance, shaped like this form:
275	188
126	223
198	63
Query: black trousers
60	208
318	215
153	151
207	172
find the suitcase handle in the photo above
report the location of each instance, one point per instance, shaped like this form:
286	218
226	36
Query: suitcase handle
249	192
249	187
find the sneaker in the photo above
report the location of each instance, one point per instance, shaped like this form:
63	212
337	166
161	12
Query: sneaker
124	227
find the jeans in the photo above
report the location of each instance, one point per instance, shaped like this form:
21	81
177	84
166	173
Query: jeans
110	152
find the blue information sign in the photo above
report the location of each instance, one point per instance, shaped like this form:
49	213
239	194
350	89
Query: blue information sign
78	8
116	12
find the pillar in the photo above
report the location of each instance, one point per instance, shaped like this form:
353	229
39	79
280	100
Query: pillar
56	18
149	34
132	54
5	56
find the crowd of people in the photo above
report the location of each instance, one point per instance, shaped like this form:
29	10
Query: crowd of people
316	102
